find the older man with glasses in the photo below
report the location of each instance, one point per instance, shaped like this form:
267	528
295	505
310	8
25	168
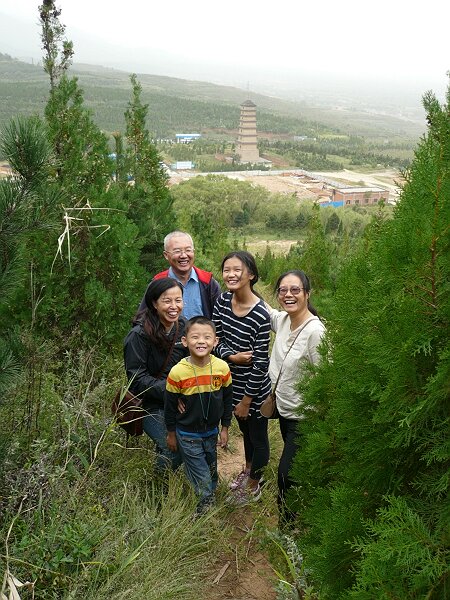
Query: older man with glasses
200	289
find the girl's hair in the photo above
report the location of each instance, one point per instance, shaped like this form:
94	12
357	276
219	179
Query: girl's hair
149	316
249	261
305	283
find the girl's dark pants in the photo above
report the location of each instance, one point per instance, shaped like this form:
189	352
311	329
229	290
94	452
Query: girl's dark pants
256	443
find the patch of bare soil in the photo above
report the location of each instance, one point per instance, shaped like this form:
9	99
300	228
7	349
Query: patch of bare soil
243	572
282	184
278	247
389	178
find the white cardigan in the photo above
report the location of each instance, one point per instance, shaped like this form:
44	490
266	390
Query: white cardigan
304	350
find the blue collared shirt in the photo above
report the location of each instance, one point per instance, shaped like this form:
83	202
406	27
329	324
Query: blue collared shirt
191	295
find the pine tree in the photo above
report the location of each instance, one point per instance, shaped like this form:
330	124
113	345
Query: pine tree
23	210
373	469
92	290
148	197
58	51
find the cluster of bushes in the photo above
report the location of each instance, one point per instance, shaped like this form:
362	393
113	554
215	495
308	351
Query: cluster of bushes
315	153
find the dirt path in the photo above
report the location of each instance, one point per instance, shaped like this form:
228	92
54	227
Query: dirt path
243	572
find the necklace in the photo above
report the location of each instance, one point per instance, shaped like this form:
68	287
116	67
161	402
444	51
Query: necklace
204	413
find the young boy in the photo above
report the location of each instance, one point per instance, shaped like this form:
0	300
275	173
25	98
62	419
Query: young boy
201	386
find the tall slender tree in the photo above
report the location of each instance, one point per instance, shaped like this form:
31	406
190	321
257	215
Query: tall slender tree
148	197
373	470
58	51
91	292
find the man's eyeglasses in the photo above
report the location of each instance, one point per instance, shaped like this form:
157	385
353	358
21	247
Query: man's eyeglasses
180	251
295	290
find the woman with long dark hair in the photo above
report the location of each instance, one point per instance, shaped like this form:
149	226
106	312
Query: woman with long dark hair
243	328
299	331
152	347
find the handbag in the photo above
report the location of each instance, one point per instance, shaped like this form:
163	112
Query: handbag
128	411
127	408
269	408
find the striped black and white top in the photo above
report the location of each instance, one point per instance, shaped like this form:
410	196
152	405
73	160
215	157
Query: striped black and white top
241	334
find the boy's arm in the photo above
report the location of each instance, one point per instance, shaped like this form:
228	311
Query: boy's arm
223	441
170	418
171	395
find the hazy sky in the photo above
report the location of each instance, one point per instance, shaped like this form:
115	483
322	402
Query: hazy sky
387	39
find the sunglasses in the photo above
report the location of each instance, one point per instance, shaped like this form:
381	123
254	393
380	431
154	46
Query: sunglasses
295	290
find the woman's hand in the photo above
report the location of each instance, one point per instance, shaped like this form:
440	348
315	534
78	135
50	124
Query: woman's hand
241	358
242	408
171	441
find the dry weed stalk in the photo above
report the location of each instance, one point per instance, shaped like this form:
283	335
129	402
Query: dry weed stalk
72	223
11	583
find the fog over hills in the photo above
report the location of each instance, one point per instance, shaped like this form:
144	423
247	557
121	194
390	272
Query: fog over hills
393	97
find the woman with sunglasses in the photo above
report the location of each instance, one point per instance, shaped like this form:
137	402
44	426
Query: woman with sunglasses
298	332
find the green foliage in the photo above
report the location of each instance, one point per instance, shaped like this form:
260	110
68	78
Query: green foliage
288	566
333	223
58	51
23	208
402	557
315	255
148	198
323	153
207	206
26	137
372	471
58	553
96	292
270	265
100	276
82	166
63	175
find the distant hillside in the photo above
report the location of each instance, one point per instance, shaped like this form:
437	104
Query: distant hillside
181	105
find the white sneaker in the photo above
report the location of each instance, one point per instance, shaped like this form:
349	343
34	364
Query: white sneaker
240	481
244	496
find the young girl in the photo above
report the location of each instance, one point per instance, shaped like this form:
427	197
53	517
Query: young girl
243	328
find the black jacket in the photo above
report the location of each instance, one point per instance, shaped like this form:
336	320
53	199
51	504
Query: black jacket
144	361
